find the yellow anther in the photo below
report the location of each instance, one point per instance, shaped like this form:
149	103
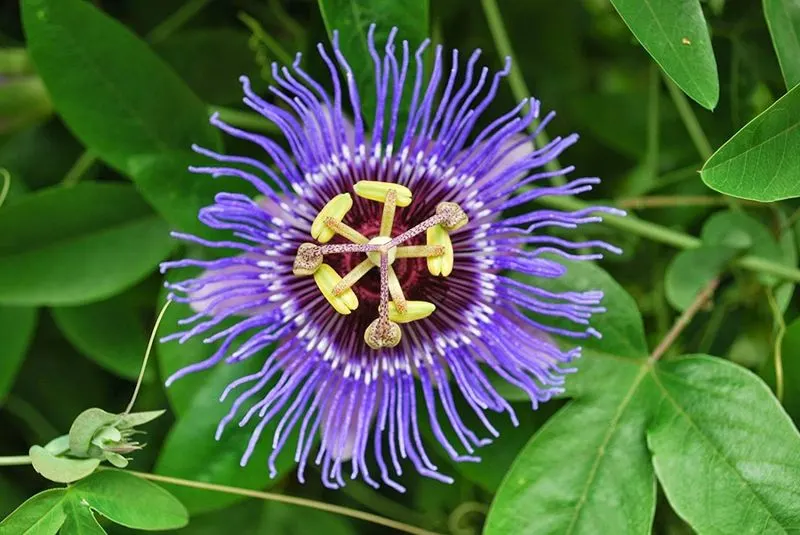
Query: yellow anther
415	310
308	260
455	217
336	209
376	191
442	264
375	256
326	279
382	334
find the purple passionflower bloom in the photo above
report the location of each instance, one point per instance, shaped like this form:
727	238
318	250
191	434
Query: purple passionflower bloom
380	265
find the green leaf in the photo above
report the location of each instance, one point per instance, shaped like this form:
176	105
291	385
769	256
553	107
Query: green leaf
84	428
783	19
112	333
17	325
131	501
674	32
80	519
607	485
352	19
41	514
711	453
179	198
210	61
285	519
691	270
118	96
597	480
60	469
107	223
760	161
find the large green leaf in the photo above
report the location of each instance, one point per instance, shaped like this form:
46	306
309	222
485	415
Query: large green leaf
674	32
131	501
783	19
119	98
80	519
724	469
69	246
608	485
352	19
112	333
41	514
760	161
17	325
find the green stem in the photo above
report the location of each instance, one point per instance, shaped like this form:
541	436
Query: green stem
515	79
778	349
689	119
244	119
270	42
81	166
172	23
15	460
671	237
294	500
147	352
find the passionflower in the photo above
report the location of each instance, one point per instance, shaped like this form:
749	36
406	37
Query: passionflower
382	265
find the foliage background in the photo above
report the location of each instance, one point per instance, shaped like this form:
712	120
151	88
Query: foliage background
96	119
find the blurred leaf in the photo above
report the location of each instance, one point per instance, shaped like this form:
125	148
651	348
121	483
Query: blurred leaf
112	333
41	514
11	496
210	61
285	519
674	32
790	356
177	194
242	517
760	161
80	519
131	501
690	271
352	19
17	325
118	97
783	19
102	238
735	228
60	469
709	450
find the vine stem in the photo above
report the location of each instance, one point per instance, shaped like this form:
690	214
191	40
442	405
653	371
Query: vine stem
147	356
180	17
6	184
670	201
515	79
671	237
778	358
705	294
689	119
15	460
294	500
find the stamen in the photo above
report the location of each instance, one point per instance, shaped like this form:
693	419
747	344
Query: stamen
376	191
415	310
397	292
326	279
346	231
443	264
389	208
353	277
336	209
419	251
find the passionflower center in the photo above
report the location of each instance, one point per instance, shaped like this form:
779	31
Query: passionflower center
380	252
